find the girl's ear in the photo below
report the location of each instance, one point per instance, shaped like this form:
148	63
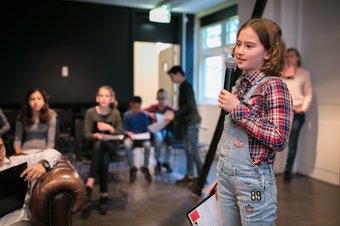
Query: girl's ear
266	55
97	99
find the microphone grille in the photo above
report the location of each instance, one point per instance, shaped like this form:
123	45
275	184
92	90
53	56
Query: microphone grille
230	63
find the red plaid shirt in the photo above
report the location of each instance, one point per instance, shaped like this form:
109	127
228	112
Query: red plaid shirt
267	116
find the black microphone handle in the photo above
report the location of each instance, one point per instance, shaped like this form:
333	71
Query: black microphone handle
229	72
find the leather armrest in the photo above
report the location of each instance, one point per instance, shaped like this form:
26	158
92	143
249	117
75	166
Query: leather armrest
61	188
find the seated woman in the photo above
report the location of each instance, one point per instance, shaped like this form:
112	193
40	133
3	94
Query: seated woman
35	128
100	121
4	124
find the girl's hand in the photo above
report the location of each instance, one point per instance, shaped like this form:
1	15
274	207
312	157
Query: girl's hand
131	135
33	172
227	101
298	110
102	126
212	190
97	136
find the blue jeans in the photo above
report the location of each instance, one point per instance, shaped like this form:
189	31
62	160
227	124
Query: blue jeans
246	192
298	122
160	144
190	140
246	195
130	144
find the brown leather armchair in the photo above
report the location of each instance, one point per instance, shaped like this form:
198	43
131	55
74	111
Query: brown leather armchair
57	195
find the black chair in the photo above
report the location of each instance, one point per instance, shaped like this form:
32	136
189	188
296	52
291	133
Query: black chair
11	115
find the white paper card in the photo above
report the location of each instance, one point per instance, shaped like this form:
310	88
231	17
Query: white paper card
205	213
160	124
112	137
141	136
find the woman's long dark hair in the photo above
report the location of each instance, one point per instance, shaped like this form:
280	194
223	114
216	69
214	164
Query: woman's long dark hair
25	115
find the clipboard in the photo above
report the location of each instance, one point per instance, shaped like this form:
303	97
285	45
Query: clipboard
13	189
204	213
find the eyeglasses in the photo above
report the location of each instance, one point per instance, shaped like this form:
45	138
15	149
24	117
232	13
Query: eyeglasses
2	146
161	98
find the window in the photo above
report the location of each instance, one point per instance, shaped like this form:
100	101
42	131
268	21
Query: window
212	70
212	37
231	30
217	41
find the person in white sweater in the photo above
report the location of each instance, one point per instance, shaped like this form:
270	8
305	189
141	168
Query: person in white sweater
299	84
37	165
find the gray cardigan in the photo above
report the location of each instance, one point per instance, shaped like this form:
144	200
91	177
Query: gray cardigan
37	136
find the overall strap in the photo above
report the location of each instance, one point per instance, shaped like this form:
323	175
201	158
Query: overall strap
254	87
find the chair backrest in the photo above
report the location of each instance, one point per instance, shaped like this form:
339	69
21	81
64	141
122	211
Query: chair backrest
78	129
65	116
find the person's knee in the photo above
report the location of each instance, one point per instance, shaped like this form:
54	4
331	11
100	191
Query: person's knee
147	144
128	143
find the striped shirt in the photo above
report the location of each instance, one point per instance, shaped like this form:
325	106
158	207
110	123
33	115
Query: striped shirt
267	116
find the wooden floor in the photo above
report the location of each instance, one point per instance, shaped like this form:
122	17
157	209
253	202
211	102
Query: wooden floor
302	202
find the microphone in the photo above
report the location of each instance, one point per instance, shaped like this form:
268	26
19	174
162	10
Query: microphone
230	65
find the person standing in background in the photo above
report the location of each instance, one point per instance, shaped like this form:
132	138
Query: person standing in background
4	124
35	128
299	85
188	117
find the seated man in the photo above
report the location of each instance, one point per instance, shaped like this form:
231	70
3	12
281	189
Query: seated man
160	136
136	122
38	164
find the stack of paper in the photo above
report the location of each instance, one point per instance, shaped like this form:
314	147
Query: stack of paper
160	124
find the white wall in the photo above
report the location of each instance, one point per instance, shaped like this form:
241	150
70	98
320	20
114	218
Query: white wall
313	27
145	72
319	44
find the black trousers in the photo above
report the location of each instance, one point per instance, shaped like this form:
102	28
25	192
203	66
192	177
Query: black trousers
299	120
102	152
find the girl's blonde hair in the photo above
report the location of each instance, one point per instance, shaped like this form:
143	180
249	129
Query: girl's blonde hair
107	88
113	94
270	36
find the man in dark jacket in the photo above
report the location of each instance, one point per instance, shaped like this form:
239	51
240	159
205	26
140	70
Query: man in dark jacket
188	117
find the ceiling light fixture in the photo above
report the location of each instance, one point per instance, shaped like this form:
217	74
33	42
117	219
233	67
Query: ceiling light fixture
161	14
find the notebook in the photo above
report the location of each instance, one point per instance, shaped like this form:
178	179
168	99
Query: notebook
13	189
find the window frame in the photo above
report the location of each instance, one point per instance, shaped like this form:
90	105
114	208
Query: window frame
225	51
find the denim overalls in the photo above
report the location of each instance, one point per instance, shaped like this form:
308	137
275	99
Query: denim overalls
246	192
